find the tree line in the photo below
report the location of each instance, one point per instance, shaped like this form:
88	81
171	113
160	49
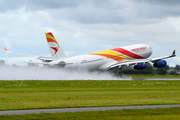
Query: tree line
152	70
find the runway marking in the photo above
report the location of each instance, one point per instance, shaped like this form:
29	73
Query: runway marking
60	110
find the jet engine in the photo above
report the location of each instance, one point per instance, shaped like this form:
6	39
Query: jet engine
140	66
160	64
61	64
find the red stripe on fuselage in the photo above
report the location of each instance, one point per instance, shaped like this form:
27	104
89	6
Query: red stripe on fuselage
127	53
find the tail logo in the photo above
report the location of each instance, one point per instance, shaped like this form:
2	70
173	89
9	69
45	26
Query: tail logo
55	49
51	40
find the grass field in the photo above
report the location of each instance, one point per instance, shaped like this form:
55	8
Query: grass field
64	94
144	114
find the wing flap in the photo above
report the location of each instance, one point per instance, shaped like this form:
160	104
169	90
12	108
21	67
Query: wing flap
130	62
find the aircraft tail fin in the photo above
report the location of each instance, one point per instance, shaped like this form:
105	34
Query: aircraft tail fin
55	49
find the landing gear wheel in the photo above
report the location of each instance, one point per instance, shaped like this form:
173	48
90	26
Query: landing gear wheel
119	72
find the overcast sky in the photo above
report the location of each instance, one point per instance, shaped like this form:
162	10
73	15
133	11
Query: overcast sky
84	26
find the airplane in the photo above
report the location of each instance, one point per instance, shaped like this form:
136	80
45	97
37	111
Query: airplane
136	55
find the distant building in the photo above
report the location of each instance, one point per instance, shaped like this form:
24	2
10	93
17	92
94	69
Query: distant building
172	70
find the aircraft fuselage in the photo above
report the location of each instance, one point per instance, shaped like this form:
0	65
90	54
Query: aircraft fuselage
101	59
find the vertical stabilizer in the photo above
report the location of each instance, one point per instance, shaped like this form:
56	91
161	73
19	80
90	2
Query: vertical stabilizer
55	49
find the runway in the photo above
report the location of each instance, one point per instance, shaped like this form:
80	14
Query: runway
155	78
60	110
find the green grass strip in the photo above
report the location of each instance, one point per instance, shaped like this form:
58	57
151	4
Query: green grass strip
82	93
135	114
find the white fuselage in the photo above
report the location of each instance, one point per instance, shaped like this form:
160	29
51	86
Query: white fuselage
101	59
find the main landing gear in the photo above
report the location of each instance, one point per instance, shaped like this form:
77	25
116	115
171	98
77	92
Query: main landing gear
119	72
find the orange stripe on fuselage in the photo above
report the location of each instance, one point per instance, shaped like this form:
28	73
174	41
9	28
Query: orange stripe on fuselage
114	57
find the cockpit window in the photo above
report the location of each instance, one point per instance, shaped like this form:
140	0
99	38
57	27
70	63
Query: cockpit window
149	47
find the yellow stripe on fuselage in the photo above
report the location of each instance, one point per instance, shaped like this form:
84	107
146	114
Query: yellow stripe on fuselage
113	53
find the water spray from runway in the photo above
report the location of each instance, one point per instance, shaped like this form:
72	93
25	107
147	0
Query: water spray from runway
40	73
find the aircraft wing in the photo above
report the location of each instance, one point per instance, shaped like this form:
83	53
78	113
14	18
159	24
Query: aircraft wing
160	58
19	53
37	63
137	61
38	57
129	62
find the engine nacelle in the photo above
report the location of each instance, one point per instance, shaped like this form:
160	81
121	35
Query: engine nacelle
61	64
160	64
140	66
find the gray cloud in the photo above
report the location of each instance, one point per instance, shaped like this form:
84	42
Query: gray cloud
34	5
157	8
118	12
100	11
161	2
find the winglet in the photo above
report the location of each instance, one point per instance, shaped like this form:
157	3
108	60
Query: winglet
174	53
6	49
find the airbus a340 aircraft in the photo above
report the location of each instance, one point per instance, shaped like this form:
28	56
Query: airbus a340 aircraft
136	55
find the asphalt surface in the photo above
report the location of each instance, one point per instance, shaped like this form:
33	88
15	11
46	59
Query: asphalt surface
11	112
155	78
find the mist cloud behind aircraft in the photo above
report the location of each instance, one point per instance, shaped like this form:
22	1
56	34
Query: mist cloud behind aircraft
87	26
38	73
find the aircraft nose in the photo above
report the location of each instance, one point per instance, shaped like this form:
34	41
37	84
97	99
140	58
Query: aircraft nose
151	51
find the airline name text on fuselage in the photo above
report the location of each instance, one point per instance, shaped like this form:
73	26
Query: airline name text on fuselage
139	49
